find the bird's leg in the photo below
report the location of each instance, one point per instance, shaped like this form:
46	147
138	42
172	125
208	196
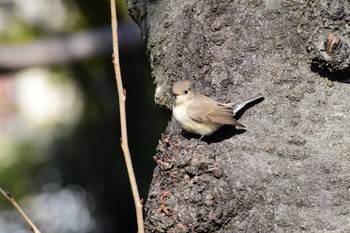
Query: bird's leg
200	142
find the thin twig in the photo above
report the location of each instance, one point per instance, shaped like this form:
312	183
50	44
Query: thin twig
9	197
124	139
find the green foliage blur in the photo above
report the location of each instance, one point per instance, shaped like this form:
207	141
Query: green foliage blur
87	153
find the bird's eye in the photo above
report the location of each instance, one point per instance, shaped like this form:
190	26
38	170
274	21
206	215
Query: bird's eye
186	91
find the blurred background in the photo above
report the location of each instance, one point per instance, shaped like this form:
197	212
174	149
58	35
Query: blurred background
60	154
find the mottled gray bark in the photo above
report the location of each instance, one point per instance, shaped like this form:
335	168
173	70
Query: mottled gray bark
290	170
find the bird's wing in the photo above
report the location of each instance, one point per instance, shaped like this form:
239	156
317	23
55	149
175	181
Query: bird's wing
204	109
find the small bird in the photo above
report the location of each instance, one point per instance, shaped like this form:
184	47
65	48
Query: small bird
200	114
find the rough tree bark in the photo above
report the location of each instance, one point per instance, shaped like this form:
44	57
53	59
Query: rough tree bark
289	171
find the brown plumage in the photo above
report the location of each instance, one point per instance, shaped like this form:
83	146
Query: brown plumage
205	109
200	114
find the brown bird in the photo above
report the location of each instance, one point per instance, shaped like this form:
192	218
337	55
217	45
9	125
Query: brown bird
200	114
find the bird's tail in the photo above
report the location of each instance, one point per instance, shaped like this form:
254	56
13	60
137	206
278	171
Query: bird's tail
239	106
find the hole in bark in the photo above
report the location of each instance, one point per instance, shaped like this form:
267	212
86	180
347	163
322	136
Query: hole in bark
342	77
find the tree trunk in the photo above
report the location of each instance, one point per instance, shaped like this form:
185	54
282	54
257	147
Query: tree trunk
289	171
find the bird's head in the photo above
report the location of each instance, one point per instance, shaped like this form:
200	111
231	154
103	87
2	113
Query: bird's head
183	91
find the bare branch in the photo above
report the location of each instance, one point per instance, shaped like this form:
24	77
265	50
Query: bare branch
122	111
9	197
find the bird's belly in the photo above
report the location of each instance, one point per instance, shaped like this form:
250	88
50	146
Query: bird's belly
192	126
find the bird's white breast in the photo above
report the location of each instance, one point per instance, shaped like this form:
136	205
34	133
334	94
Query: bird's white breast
180	114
